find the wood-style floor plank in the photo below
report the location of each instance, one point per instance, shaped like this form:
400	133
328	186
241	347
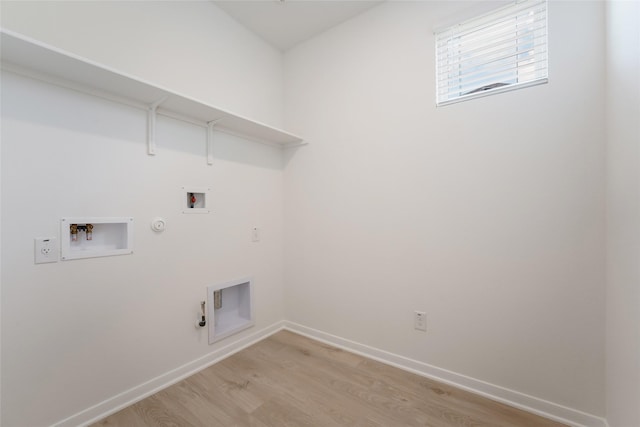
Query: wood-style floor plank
291	380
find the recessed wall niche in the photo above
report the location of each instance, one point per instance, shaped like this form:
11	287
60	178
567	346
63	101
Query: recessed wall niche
90	237
194	200
230	308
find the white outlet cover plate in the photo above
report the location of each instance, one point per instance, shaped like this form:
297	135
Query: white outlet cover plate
46	250
420	320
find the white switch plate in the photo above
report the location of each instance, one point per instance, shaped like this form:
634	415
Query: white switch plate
46	250
420	320
255	234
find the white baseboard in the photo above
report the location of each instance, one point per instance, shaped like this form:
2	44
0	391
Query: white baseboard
563	414
544	408
135	394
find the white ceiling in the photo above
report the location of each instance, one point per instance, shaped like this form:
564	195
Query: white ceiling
287	23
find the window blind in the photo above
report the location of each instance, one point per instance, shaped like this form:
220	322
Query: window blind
502	50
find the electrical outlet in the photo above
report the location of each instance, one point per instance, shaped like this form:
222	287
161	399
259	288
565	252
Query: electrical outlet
46	250
420	320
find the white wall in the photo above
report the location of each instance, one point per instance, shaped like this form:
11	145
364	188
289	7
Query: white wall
487	214
78	332
191	47
623	215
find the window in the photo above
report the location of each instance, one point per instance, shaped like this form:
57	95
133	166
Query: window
500	51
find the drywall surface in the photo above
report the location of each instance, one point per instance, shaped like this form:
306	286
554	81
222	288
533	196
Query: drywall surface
488	214
623	214
191	47
96	327
77	333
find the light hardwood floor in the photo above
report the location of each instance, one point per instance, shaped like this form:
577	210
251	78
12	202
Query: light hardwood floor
290	380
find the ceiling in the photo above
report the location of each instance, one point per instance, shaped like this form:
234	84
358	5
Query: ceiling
285	23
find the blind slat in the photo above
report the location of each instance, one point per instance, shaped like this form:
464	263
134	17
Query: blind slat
506	77
529	83
474	46
520	59
534	45
495	17
513	24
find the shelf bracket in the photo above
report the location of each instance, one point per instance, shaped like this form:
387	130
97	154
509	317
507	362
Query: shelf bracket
210	126
151	126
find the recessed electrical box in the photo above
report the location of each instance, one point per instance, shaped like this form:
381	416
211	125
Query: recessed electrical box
90	237
195	200
230	308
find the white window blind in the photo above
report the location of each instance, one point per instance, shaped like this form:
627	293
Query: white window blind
502	50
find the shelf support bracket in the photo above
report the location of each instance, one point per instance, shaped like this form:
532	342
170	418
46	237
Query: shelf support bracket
210	126
151	126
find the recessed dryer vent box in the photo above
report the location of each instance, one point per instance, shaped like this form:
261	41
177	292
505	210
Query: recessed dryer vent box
195	200
230	308
90	237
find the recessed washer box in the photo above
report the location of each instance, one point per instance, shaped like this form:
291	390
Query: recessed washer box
195	200
234	311
90	237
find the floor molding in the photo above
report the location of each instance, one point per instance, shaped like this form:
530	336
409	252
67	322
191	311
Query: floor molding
563	414
135	394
